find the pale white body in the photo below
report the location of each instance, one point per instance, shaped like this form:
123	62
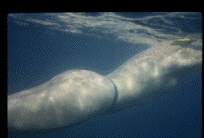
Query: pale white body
74	96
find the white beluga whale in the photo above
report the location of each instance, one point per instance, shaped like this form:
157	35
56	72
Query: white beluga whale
76	95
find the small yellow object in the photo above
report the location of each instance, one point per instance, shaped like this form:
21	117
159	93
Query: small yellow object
182	42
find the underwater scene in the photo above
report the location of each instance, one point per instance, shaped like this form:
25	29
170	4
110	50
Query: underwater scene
106	74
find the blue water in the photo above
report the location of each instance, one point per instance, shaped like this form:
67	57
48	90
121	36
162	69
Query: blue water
40	46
